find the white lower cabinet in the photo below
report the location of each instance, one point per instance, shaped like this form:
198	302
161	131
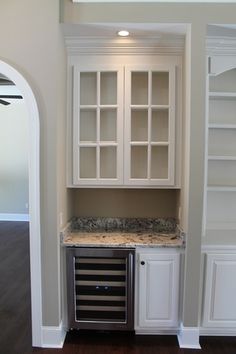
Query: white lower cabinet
157	290
219	306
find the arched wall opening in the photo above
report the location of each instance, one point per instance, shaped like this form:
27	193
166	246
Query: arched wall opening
34	198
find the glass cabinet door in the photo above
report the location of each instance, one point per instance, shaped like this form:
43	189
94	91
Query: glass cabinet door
150	125
97	125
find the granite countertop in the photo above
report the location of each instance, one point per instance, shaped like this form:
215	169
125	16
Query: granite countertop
122	239
122	232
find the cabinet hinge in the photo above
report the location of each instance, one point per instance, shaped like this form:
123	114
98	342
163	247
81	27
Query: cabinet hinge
209	65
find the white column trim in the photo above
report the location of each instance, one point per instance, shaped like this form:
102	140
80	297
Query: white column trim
188	337
14	217
53	336
34	199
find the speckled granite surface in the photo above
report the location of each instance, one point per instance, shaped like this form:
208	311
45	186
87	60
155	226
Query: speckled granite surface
90	224
125	239
122	232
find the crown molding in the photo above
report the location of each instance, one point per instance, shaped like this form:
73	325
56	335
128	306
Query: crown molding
77	45
221	45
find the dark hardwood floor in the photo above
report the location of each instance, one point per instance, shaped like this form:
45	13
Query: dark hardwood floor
15	307
15	317
126	343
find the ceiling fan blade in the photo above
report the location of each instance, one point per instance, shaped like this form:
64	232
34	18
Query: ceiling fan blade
5	103
11	96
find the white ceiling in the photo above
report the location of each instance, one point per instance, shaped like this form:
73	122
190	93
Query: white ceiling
135	29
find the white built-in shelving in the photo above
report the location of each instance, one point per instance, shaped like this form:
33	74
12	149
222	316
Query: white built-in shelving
221	152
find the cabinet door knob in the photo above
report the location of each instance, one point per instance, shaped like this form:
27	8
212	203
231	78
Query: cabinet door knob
142	262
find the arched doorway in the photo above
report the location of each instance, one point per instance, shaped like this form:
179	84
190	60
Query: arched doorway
34	198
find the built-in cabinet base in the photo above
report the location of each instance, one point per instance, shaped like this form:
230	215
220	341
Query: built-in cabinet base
157	290
219	292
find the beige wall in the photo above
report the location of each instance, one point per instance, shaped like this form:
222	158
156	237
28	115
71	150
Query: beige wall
125	203
31	42
14	158
202	13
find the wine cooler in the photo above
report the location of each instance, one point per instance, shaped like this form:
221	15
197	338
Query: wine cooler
100	288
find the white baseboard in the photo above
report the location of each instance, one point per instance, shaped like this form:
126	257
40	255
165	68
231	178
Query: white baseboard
53	337
188	337
14	217
160	331
226	332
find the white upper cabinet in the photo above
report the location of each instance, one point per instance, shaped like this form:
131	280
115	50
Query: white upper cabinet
149	125
98	125
125	129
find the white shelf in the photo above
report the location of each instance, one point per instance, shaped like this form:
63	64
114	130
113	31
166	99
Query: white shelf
222	157
221	226
221	189
221	126
226	95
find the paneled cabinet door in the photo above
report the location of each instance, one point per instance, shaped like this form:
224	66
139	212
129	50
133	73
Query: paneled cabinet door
150	125
158	294
98	125
220	291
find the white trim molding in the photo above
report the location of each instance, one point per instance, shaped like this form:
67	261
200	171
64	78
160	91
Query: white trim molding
219	249
53	336
34	198
77	45
188	337
14	217
219	45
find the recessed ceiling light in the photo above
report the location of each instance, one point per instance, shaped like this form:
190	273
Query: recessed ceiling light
123	33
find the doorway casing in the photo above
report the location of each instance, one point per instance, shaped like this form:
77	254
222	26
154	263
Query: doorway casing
34	199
